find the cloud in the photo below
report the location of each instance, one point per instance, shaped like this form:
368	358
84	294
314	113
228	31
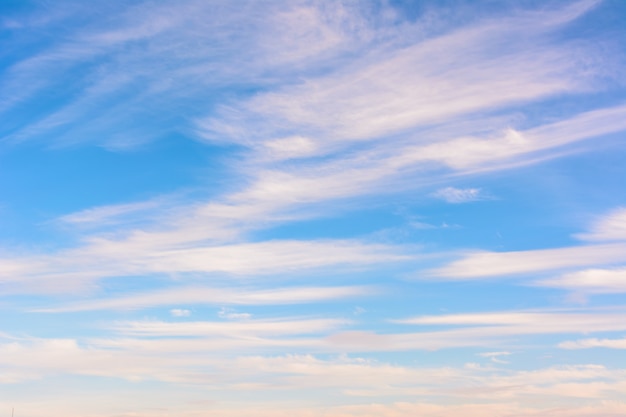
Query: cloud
329	335
498	390
527	321
168	352
483	264
108	215
118	68
480	265
494	356
511	147
140	255
408	409
592	281
415	162
227	313
480	329
459	195
250	328
291	147
611	226
215	296
594	343
392	90
179	312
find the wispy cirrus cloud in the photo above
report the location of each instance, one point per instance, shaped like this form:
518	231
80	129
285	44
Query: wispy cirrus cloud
460	195
123	76
230	314
273	195
495	356
84	267
500	328
215	296
105	216
608	251
609	227
412	82
242	328
333	335
591	281
594	343
477	265
180	312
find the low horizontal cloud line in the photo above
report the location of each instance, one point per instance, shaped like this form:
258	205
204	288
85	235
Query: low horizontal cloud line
83	267
594	343
191	295
481	265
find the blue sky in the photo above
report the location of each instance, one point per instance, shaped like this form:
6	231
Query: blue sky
313	208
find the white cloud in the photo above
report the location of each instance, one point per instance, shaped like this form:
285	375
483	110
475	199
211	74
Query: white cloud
460	195
529	321
291	147
592	281
230	314
510	148
106	215
327	335
480	329
101	258
601	279
411	408
132	79
495	356
377	168
179	312
500	392
594	343
437	79
250	328
207	295
422	225
610	227
476	265
161	354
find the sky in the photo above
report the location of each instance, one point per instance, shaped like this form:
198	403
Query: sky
313	208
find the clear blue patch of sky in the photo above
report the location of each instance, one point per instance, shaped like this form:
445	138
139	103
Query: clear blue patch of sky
39	185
